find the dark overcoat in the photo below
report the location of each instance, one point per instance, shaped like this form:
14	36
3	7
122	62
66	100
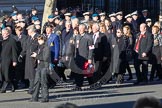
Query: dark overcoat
30	63
8	56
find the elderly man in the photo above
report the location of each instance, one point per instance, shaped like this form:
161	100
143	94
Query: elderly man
8	59
143	45
101	51
30	63
84	55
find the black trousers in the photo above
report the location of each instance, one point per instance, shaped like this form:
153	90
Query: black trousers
128	69
156	68
98	71
40	82
6	83
79	78
141	75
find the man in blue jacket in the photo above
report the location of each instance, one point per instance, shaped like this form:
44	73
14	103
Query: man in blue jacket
54	44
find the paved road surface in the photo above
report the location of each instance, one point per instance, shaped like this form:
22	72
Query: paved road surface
109	96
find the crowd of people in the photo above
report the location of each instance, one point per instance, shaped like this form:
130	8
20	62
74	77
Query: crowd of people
90	44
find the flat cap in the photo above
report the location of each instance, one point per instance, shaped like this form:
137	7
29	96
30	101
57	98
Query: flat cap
67	14
102	14
134	13
30	27
128	16
86	13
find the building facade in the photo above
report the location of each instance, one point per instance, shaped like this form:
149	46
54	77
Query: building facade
127	6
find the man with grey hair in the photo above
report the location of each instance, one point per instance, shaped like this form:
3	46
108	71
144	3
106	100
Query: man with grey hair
101	51
30	63
83	55
8	60
75	22
67	33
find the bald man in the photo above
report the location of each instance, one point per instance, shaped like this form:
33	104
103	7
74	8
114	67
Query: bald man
143	46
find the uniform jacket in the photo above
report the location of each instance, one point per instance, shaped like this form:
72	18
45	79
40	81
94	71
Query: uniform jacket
54	44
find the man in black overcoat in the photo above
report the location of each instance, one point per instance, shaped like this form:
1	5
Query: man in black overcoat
30	63
101	51
21	43
8	59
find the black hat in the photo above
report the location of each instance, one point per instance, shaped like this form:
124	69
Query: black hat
34	8
55	10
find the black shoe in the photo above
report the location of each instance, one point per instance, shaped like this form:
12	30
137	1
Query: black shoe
33	100
44	100
13	89
3	91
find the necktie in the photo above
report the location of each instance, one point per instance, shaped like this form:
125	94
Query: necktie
94	38
138	42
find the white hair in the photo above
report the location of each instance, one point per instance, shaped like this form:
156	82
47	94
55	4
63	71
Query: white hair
97	26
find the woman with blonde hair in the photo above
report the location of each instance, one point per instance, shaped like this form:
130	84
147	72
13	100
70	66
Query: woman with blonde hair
128	38
156	56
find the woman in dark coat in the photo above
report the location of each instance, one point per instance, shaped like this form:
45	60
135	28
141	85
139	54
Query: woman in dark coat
129	42
8	60
120	70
